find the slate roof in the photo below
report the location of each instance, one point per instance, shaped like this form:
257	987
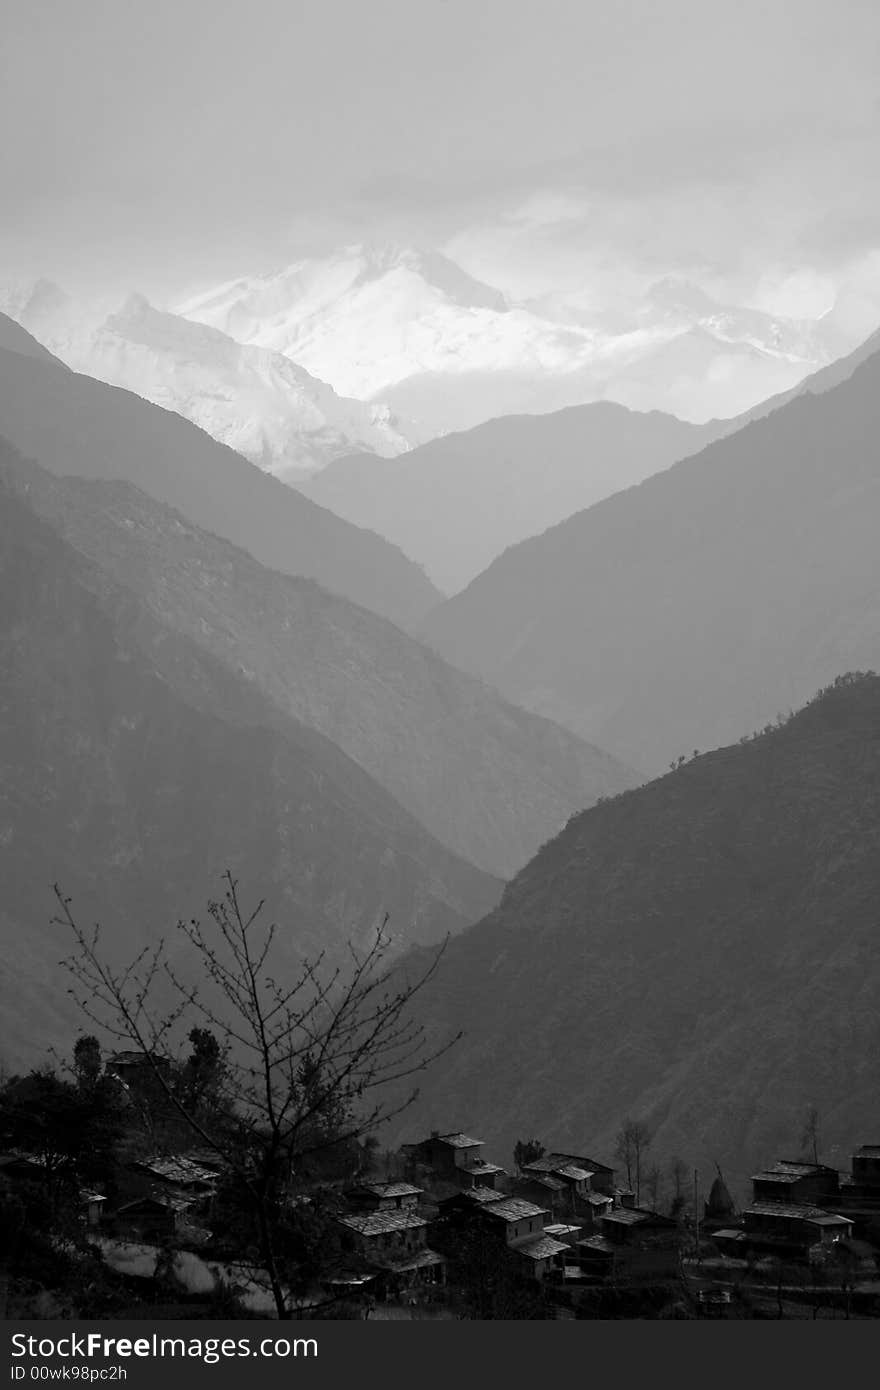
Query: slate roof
482	1196
458	1141
546	1180
787	1171
541	1165
572	1171
542	1248
559	1228
480	1165
627	1216
581	1161
378	1223
390	1189
515	1209
177	1169
796	1211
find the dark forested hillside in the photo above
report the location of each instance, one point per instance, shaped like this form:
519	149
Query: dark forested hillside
685	611
72	424
700	954
136	767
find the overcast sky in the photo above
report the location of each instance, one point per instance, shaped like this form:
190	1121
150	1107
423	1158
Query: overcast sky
550	144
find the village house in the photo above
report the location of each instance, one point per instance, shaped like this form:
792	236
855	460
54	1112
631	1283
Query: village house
393	1243
384	1196
579	1174
150	1218
858	1196
789	1215
568	1187
544	1190
514	1225
808	1184
179	1172
92	1206
783	1228
481	1173
644	1244
865	1164
516	1221
593	1208
383	1236
541	1257
576	1180
561	1230
462	1203
455	1158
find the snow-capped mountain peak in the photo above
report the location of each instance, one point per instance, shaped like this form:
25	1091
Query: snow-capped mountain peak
258	401
412	327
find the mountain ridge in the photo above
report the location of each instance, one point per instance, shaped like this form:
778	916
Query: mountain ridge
137	767
450	352
72	423
488	780
620	622
454	504
258	402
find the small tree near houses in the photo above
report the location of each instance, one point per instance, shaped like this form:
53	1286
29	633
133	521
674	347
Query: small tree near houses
305	1064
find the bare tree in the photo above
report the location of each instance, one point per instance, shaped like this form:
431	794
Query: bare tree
632	1141
678	1173
653	1183
623	1151
305	1063
810	1135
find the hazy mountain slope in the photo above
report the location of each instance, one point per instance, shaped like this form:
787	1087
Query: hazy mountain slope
684	611
14	338
136	767
456	503
700	953
817	382
257	401
487	779
73	424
